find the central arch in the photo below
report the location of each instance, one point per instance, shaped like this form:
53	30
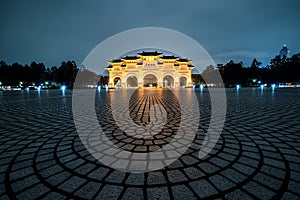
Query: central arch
132	82
168	81
150	80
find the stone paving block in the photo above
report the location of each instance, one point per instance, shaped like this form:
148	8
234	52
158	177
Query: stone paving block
21	173
227	157
182	192
193	173
85	169
221	182
176	164
135	179
273	171
25	157
33	192
274	163
247	170
219	162
189	160
294	187
290	196
158	193
54	195
72	183
268	180
50	171
248	161
67	158
45	164
58	178
88	191
98	173
155	178
133	194
110	192
237	195
116	177
176	176
25	183
203	188
233	175
258	190
208	168
44	157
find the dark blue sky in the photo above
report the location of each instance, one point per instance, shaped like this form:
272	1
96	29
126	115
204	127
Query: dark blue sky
53	31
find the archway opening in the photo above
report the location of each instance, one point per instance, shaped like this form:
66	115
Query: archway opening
168	81
117	82
182	81
132	82
150	80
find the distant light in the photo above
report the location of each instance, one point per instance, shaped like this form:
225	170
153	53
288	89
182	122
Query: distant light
0	83
273	86
27	89
42	84
254	80
259	82
46	83
63	88
262	87
201	87
39	88
99	88
238	86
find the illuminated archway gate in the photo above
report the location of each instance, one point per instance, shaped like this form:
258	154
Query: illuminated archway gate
166	69
87	123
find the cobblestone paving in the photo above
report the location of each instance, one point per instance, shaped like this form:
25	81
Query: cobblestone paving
256	157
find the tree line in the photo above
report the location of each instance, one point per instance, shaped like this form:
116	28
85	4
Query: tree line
280	70
37	74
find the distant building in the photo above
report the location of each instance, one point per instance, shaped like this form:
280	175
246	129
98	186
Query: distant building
150	69
284	51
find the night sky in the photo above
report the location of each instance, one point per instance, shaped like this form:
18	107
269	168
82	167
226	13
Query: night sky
56	30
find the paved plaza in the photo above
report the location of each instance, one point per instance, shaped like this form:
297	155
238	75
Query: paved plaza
256	157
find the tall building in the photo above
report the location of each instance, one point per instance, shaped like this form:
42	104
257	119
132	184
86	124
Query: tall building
150	69
284	51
